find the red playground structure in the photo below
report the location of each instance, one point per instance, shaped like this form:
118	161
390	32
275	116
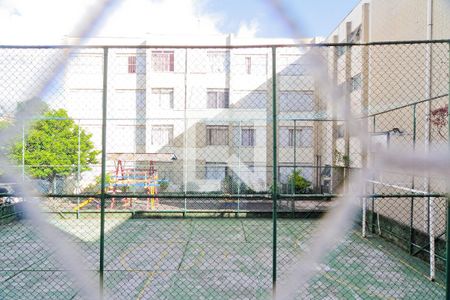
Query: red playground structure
136	173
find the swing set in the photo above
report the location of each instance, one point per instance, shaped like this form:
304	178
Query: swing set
136	172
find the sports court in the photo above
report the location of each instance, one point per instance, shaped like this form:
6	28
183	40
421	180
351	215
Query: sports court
212	165
206	258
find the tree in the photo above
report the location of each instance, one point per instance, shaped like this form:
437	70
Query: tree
53	146
3	148
301	185
439	118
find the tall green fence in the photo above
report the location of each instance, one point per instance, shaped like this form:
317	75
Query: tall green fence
204	172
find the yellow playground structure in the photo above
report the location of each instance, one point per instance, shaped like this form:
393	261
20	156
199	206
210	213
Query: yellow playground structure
133	173
136	173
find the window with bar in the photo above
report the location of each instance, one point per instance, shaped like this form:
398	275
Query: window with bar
162	135
162	98
303	136
248	65
216	171
163	61
219	61
216	135
247	137
132	64
217	98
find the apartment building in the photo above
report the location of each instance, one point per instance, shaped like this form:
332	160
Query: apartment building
392	78
383	77
209	106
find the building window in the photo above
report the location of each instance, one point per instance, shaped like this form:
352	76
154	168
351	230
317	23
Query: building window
355	35
303	137
340	131
132	64
355	82
162	135
247	137
248	65
296	101
162	98
162	61
218	99
340	50
216	135
218	61
215	171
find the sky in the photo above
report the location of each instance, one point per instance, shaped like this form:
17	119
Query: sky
48	21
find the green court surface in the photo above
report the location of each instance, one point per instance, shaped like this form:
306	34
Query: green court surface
206	258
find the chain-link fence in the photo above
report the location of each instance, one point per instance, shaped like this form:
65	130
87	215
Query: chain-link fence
203	173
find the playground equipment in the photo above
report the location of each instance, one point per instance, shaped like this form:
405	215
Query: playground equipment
134	172
84	203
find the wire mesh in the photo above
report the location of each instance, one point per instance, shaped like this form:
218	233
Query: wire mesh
189	170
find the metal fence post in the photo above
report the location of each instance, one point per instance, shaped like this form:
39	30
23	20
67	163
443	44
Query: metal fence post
447	262
78	169
23	152
274	173
185	135
372	217
239	165
103	174
295	157
411	217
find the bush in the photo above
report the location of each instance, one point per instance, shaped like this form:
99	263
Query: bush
300	184
163	185
95	187
232	185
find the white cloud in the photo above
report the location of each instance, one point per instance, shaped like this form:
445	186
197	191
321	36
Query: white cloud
48	21
43	21
138	17
247	30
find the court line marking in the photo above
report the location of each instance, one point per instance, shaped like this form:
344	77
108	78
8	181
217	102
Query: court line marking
151	275
353	287
186	246
398	187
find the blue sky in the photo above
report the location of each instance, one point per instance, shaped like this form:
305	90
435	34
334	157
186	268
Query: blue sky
319	17
31	22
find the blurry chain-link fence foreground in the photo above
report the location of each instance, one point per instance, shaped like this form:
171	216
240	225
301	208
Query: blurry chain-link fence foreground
204	152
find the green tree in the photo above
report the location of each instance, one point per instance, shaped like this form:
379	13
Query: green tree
3	148
301	185
3	124
51	147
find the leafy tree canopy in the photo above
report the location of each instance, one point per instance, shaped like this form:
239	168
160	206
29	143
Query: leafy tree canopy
301	185
51	147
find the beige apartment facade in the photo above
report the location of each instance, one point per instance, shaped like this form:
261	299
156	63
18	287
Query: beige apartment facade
210	106
409	82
